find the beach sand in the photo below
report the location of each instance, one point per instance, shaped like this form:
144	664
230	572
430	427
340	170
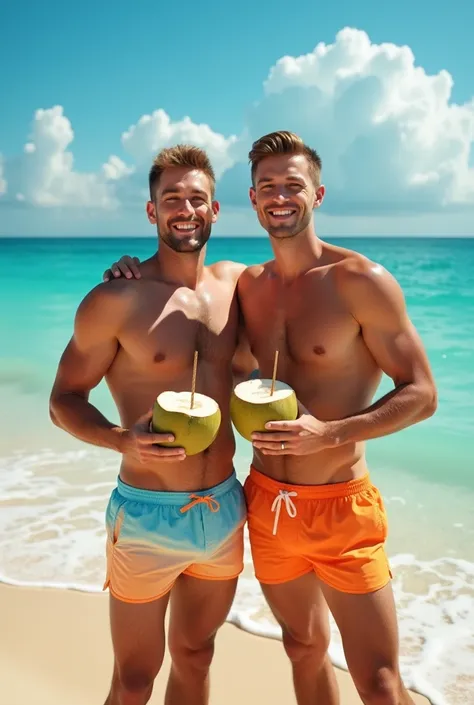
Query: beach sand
55	650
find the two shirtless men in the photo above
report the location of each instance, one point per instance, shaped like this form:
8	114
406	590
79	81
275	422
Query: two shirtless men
175	523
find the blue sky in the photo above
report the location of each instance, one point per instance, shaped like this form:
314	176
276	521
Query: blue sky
397	152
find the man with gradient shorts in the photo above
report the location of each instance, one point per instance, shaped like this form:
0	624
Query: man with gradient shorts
174	523
317	525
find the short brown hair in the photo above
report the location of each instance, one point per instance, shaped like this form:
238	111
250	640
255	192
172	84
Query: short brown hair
182	155
284	142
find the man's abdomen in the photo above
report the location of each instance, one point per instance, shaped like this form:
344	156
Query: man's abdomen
194	472
336	465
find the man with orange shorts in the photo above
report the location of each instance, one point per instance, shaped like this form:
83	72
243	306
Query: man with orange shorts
317	524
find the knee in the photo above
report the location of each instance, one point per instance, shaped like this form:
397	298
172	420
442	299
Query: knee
134	684
308	642
380	687
192	655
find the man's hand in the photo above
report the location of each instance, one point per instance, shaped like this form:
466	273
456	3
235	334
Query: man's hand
305	436
141	444
126	266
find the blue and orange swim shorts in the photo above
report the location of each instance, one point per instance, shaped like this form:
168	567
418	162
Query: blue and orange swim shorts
153	537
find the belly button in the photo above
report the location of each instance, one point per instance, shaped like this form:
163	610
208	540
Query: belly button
159	357
319	350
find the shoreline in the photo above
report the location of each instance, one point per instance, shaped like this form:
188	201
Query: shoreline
60	638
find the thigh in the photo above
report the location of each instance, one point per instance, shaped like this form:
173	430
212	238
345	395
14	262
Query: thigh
300	608
198	608
138	637
368	626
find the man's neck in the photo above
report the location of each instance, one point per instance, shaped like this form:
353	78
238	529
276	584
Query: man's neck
296	255
182	268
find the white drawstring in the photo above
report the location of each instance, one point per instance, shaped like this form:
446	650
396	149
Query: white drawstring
283	496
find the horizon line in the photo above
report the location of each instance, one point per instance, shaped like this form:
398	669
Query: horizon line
404	236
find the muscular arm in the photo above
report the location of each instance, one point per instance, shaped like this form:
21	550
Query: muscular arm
377	303
83	365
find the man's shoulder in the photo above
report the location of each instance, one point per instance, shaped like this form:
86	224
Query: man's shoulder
365	282
114	290
253	271
108	299
355	269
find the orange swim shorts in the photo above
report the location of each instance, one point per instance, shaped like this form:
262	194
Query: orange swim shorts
338	531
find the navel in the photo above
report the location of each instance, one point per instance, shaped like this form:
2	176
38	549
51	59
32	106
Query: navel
319	350
159	357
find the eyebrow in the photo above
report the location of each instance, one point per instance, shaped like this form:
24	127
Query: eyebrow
197	191
269	179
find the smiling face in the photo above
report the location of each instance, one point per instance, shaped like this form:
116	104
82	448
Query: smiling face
183	209
284	194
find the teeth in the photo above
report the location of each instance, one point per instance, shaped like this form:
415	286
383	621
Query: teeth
188	226
281	212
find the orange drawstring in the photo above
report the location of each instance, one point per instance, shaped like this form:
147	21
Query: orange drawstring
212	503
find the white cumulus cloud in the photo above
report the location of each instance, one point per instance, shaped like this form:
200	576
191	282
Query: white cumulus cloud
153	132
49	176
44	174
389	137
116	169
392	141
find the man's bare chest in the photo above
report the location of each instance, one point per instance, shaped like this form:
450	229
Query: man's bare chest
168	330
306	326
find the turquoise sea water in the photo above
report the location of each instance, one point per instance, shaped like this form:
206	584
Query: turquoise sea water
53	489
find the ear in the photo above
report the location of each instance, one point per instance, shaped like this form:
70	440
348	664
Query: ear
151	212
319	196
253	198
215	210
